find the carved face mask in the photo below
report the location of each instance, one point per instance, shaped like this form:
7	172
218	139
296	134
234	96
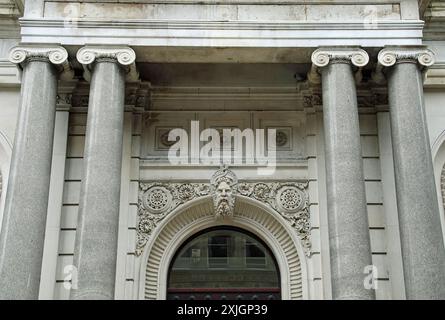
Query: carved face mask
223	200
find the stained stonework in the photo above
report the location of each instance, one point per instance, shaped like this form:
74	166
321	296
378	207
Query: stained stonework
289	199
442	185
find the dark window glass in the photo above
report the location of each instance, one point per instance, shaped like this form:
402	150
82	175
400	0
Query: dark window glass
218	249
255	255
217	260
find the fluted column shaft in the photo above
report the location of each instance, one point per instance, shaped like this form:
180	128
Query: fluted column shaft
97	230
350	250
23	229
420	229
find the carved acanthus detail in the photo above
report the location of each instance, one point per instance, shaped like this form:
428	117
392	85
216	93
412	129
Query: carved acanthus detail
289	199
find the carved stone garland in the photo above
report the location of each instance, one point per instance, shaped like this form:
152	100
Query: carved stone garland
289	199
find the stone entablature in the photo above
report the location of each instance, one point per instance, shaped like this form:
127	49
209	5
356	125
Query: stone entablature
229	24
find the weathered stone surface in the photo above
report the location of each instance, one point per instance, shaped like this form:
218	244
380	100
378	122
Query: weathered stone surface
420	229
350	250
97	231
254	11
23	228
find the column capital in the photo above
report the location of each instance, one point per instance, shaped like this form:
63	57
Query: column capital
323	56
123	55
54	54
389	56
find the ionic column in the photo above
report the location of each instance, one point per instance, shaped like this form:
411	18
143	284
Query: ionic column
23	230
349	242
97	229
420	230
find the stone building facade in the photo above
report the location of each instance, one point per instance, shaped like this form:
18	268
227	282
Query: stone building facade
92	206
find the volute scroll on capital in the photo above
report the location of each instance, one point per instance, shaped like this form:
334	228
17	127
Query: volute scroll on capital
123	55
389	56
54	54
324	56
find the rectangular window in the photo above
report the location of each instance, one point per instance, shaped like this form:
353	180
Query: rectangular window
255	256
218	251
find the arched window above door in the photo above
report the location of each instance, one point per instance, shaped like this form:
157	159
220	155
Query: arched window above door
224	263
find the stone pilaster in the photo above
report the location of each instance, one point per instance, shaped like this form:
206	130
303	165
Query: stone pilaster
350	250
420	229
23	229
97	229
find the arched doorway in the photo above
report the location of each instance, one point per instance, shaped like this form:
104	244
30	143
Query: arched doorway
224	263
197	215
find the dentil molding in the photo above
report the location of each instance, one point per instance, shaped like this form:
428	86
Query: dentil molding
289	199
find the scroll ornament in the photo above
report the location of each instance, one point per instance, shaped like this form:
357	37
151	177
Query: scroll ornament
158	199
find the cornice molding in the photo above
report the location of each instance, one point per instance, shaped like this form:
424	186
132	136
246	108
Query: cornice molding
158	33
217	25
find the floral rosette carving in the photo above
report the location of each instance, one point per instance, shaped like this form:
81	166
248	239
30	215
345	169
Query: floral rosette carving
186	192
289	199
156	200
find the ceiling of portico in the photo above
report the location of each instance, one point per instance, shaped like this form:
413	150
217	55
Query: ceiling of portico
222	74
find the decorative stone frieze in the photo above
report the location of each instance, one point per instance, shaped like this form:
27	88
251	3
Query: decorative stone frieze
125	56
158	199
